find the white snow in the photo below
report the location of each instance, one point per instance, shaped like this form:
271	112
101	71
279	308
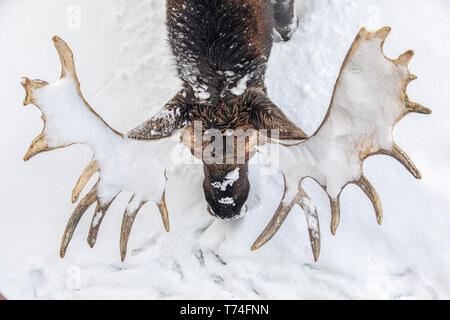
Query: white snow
229	180
241	85
68	119
227	200
311	218
190	74
127	74
96	220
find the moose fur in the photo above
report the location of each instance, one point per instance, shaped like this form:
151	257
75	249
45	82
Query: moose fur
221	49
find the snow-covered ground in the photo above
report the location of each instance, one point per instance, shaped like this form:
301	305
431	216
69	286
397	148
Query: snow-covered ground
127	74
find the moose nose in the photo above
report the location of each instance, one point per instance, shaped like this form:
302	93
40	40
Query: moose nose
228	213
226	190
228	203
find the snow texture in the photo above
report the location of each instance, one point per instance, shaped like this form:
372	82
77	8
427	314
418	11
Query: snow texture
228	181
311	220
127	75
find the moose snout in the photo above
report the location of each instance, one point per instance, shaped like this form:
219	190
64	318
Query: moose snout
226	194
227	211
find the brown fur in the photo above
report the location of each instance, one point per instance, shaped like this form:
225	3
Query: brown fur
218	44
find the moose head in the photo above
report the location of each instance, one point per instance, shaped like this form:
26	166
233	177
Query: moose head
223	90
225	138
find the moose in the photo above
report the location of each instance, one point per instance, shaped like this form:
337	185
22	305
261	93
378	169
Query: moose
221	49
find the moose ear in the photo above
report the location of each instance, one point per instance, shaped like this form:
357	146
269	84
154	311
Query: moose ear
264	114
173	116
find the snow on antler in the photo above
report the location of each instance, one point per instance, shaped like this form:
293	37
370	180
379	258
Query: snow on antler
369	99
123	164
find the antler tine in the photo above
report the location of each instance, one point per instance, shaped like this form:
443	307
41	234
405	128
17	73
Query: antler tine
68	69
127	224
411	77
87	174
38	145
335	214
382	33
273	226
417	108
276	221
81	208
403	158
162	206
312	220
370	191
97	219
128	220
284	208
405	58
66	58
30	87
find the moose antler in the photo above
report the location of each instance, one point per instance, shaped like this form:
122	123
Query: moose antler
369	99
122	163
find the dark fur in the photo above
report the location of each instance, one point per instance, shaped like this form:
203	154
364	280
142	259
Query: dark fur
217	44
217	36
